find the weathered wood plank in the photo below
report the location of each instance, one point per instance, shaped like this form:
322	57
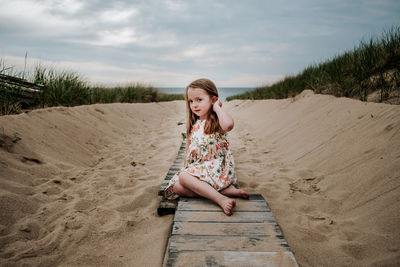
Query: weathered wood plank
231	258
226	243
222	229
208	205
175	168
253	197
202	235
219	216
169	175
166	207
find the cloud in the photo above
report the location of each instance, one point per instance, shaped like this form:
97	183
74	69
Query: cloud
243	80
230	41
58	19
117	15
35	19
118	37
196	51
65	6
102	73
176	5
219	54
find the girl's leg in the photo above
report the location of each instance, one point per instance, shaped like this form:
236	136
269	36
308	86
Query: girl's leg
204	189
232	191
183	191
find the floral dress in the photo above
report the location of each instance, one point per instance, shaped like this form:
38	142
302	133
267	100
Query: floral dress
209	159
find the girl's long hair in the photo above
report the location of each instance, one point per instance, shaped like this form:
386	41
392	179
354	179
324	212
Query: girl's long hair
212	123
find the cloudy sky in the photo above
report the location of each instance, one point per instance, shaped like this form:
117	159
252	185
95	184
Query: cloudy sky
170	43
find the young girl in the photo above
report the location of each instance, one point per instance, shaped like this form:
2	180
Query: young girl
209	166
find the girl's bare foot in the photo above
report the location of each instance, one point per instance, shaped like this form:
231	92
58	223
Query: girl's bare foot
227	204
232	191
243	194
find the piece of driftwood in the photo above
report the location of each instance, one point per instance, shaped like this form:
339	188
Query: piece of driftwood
202	235
23	84
23	90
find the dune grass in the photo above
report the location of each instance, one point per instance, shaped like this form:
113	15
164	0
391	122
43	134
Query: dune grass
372	66
66	88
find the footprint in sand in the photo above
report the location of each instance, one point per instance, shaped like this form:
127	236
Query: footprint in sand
84	204
308	235
349	235
306	186
109	221
51	190
355	250
142	199
30	230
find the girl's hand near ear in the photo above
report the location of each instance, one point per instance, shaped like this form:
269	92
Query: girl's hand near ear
225	121
216	103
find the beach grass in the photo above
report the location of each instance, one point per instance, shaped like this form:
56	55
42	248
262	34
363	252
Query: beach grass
372	66
68	88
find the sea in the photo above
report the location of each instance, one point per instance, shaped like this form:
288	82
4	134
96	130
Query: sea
223	92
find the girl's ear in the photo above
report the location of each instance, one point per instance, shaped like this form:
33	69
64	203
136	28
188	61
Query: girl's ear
214	99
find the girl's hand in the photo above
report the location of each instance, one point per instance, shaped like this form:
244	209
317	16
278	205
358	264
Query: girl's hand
216	103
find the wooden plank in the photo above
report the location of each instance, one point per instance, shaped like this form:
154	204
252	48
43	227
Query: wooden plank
219	216
166	207
202	235
175	168
226	243
231	258
169	175
208	205
25	85
253	197
223	229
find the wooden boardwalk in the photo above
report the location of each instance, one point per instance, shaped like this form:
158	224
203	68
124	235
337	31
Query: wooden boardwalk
202	235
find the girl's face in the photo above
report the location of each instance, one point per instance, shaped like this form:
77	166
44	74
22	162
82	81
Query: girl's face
200	102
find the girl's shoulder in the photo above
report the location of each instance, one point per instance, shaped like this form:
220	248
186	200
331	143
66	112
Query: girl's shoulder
202	123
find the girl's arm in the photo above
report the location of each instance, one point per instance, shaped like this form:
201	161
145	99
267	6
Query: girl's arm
225	121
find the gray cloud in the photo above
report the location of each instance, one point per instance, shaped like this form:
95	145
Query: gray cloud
168	43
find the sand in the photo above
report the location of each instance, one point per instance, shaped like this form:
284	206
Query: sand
78	186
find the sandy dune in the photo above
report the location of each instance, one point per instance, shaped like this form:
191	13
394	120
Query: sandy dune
330	169
93	198
78	186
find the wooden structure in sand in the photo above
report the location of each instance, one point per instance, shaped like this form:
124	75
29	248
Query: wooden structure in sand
20	88
202	235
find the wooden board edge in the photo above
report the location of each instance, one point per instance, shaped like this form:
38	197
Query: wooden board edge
166	207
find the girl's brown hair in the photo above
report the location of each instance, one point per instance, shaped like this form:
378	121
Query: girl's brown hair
212	123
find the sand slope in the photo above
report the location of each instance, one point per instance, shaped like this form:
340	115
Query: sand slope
80	186
91	201
330	168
